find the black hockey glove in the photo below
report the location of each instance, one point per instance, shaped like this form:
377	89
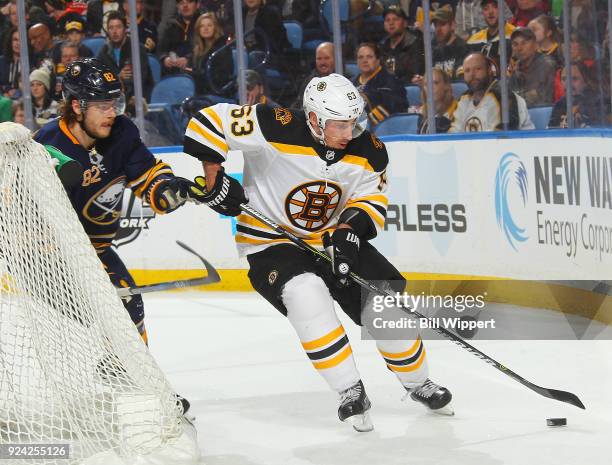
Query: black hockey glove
170	193
343	248
225	197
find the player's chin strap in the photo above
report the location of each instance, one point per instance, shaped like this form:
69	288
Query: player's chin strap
211	277
562	396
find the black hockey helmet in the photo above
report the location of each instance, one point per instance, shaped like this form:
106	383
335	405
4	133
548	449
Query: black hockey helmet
88	79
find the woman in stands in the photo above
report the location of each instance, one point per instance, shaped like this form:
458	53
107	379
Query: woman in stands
444	103
10	67
43	106
208	38
588	107
383	93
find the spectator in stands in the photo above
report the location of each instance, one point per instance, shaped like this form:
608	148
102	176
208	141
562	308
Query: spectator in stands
116	53
256	90
75	32
6	109
324	65
486	40
147	30
449	50
258	15
587	19
10	66
416	14
479	109
470	19
526	10
548	38
176	43
97	10
402	50
18	112
69	52
587	106
383	93
55	9
532	73
444	103
209	37
44	107
41	42
10	14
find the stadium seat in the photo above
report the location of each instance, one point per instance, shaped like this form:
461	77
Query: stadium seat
540	116
235	60
94	44
295	33
351	70
173	89
458	89
155	67
399	123
413	93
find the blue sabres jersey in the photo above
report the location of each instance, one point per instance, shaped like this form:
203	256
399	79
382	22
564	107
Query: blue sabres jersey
112	164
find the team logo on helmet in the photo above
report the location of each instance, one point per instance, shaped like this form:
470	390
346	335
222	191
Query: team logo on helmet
272	277
76	70
321	86
310	206
104	207
283	115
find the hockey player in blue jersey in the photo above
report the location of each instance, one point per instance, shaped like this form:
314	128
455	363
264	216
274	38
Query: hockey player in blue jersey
93	131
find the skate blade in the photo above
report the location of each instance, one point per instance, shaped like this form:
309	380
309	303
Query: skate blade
362	423
447	410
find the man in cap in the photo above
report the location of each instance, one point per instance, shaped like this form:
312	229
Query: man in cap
486	40
256	91
449	49
74	28
402	50
533	73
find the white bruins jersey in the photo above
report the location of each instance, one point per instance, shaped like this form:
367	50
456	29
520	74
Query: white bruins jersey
487	115
288	176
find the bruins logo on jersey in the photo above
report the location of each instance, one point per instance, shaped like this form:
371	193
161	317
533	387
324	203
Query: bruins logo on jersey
321	86
376	142
104	207
310	206
473	125
283	115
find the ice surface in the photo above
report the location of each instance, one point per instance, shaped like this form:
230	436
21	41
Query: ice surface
258	400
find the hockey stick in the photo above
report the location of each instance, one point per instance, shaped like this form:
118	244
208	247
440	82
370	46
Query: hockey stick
562	396
210	278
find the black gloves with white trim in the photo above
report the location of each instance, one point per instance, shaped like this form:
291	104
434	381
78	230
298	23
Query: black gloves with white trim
343	248
225	197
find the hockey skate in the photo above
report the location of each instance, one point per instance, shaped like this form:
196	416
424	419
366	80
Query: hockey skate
354	407
436	398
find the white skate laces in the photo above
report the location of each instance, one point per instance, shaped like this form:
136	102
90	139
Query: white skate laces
351	394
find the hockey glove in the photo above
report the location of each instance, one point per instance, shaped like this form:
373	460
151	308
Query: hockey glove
170	193
343	248
225	197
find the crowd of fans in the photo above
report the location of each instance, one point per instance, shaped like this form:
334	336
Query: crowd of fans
383	40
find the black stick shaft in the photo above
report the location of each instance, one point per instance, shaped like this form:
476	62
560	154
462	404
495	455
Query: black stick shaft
555	394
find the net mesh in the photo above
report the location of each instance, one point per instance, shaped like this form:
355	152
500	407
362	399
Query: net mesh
73	368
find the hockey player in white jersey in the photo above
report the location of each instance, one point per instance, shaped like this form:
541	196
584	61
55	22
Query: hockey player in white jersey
313	172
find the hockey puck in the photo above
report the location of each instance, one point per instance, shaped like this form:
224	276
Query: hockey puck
556	422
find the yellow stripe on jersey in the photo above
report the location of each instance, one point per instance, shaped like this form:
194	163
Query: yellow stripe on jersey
198	128
294	149
377	198
332	362
409	353
242	238
145	180
214	116
324	340
357	160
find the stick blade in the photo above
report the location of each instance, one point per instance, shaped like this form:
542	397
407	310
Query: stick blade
213	275
561	396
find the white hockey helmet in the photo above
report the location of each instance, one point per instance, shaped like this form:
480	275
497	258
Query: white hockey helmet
333	97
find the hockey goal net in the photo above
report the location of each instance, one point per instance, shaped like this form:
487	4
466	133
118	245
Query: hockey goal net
73	369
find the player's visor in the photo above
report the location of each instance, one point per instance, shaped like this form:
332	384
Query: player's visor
104	106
